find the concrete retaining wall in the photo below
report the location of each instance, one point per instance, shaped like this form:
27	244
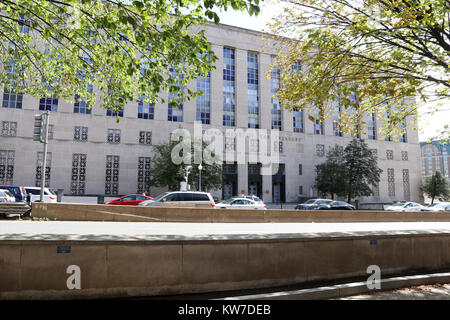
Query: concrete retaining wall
90	212
37	269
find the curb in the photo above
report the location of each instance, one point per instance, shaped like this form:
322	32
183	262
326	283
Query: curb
348	289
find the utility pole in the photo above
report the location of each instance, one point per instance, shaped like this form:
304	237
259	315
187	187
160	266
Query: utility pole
41	122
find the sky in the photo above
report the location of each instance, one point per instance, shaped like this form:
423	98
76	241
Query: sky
430	123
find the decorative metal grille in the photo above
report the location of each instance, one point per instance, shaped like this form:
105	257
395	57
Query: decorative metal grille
405	155
113	135
391	182
389	154
112	175
80	133
145	137
78	183
320	150
406	190
144	165
9	128
7	167
39	164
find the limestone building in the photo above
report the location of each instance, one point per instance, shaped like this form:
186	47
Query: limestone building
89	153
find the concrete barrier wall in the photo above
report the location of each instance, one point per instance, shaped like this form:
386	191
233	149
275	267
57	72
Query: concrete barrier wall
37	269
92	212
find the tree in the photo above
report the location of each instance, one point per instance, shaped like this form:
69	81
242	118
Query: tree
367	56
167	173
436	186
332	175
126	49
363	171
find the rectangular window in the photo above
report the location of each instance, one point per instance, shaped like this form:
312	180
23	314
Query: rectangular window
12	99
145	137
9	129
144	164
228	87
39	164
80	105
276	107
7	167
318	125
337	131
175	107
80	134
252	89
405	155
78	179
112	175
300	169
300	189
113	136
230	144
371	127
48	103
111	113
146	110
391	182
298	120
203	110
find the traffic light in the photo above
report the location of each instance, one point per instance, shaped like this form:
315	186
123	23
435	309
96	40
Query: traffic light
40	123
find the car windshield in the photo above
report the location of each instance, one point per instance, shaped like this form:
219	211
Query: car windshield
324	201
398	204
161	196
310	201
440	205
228	201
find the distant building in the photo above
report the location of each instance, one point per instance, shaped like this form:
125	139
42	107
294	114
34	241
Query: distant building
435	157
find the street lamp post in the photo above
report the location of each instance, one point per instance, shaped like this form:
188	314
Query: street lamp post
200	168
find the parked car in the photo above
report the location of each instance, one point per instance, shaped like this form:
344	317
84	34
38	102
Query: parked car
18	192
6	196
241	203
199	199
313	204
436	207
49	194
405	206
129	200
337	205
251	197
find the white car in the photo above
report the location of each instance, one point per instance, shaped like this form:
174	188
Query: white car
49	195
405	206
436	207
241	203
180	198
6	196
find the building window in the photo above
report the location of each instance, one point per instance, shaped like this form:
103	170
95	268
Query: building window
405	155
300	169
39	164
278	146
146	110
48	103
254	169
389	155
50	131
300	189
112	175
113	135
80	105
298	120
175	107
371	127
203	111
145	137
252	89
320	150
144	164
9	129
7	167
406	190
376	190
12	99
80	134
337	131
117	113
403	137
391	182
230	143
228	87
254	145
276	107
78	181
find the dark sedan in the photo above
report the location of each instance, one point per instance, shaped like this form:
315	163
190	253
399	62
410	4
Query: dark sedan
337	205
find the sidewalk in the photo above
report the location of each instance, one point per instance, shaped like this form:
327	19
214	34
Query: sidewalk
424	292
